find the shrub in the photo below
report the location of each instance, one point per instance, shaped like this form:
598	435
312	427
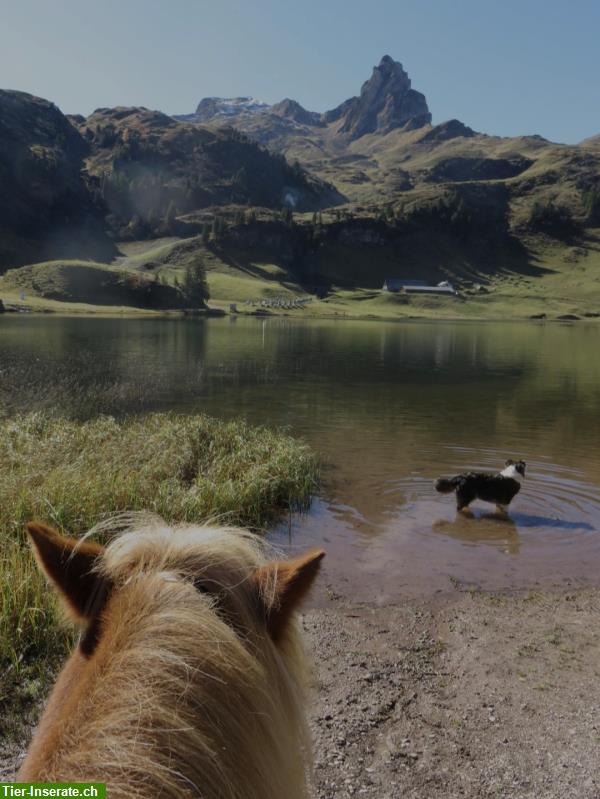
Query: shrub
591	203
554	220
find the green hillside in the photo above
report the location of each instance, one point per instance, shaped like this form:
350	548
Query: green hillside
541	276
260	273
93	284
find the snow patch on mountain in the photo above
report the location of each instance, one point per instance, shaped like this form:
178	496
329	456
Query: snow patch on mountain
211	108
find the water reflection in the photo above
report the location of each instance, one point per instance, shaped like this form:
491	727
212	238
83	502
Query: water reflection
482	528
529	520
389	406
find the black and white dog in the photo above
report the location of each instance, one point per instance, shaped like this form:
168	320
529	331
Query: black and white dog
500	488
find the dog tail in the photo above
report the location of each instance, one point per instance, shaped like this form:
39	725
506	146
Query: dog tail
446	485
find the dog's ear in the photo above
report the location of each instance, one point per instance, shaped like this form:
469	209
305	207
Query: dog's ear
509	462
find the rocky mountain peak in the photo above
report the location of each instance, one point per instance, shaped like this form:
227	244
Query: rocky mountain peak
387	101
387	65
291	109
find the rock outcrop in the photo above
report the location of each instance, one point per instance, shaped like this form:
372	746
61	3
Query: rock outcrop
452	129
47	207
386	102
290	109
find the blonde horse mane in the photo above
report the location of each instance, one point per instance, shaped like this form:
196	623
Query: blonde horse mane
194	683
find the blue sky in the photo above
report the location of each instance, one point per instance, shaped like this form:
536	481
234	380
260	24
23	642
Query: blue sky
502	66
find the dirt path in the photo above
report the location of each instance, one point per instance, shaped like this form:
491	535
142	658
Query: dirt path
470	695
480	696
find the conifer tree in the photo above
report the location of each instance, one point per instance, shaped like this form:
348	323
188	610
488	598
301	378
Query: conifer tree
195	286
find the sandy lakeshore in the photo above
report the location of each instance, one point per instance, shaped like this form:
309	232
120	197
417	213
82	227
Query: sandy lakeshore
467	694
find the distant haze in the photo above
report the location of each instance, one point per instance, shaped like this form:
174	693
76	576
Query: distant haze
506	68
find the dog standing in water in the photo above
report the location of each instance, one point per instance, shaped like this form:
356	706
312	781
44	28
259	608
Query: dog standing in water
188	679
500	488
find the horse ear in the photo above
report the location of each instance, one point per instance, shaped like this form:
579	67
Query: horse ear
283	585
69	565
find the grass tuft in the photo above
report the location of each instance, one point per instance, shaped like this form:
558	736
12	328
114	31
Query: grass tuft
74	474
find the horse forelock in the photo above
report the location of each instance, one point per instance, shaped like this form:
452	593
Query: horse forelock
184	678
187	549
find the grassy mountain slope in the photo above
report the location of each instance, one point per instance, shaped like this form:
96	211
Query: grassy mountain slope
149	166
380	148
68	182
543	277
380	169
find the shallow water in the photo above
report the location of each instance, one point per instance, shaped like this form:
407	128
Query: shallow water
389	406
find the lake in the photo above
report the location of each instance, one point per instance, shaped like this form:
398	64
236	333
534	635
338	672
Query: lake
389	406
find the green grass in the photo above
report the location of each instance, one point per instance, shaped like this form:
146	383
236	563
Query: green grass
547	277
89	283
232	275
72	475
373	169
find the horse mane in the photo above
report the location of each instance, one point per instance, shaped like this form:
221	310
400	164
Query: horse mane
185	694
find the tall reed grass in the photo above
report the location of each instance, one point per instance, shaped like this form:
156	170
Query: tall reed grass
74	474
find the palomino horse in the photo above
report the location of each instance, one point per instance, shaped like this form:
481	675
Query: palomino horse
188	677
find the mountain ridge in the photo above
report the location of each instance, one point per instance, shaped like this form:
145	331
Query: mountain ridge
386	101
134	173
71	185
380	147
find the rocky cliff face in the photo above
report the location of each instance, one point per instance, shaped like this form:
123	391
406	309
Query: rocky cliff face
386	102
47	208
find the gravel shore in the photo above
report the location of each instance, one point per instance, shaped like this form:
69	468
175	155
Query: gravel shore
469	694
